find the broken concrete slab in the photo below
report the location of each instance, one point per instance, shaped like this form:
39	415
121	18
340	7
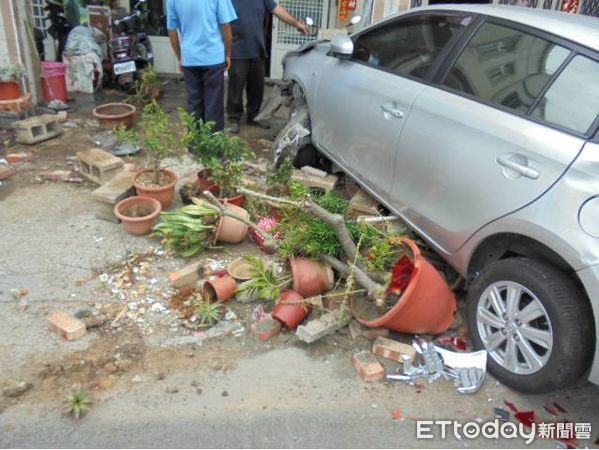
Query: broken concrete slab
105	211
356	329
368	366
364	203
326	183
189	274
394	350
98	165
118	187
66	326
36	129
326	324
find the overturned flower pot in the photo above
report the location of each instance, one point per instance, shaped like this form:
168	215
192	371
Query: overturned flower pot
425	303
311	277
291	309
138	214
230	229
163	191
220	289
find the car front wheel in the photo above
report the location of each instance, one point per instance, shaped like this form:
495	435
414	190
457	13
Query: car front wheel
533	320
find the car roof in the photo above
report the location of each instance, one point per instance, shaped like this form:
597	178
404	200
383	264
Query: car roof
581	29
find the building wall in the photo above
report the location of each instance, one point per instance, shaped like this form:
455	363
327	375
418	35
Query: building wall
9	51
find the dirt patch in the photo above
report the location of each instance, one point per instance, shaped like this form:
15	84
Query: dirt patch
148	179
137	211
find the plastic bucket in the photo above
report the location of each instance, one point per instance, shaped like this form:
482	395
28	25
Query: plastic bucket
54	83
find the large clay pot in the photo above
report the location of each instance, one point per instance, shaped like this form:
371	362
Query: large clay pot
229	229
311	277
115	115
220	289
140	224
426	304
291	310
237	200
164	194
9	90
206	184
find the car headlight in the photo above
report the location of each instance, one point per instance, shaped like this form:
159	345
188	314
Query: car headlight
588	216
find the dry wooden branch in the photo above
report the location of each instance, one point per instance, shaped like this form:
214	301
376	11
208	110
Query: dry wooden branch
375	290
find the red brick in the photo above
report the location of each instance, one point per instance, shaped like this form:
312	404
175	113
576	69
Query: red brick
66	326
5	172
19	157
266	329
186	275
357	329
390	349
368	366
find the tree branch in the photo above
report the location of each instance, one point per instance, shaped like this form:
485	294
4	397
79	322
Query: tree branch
375	290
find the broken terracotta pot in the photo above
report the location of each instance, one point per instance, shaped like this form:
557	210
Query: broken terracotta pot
311	277
220	289
138	214
426	304
205	183
229	229
165	194
240	269
291	309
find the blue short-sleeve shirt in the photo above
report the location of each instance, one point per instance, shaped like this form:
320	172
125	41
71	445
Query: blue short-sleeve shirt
199	23
248	29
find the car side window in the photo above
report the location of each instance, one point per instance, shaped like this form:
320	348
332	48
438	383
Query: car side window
408	46
572	101
505	66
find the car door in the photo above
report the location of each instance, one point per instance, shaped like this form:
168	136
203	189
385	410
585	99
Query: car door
476	147
361	103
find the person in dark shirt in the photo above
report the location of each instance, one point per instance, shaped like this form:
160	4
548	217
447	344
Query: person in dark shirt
247	69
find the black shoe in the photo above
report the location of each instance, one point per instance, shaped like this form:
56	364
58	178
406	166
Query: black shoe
253	123
234	127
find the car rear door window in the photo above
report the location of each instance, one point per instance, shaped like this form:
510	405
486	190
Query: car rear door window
505	66
572	101
408	46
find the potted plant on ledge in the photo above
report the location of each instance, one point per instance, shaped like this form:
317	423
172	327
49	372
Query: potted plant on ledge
10	81
158	136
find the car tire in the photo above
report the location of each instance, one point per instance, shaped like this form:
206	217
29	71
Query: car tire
545	323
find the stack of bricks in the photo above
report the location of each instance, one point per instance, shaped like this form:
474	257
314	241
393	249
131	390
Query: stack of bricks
16	105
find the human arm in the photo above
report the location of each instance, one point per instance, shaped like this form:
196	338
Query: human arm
173	37
282	13
172	24
227	33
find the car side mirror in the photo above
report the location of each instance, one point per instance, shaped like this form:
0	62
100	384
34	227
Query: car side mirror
342	47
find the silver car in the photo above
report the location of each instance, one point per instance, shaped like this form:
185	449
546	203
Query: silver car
478	126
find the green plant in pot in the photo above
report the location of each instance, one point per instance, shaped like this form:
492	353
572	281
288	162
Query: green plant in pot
147	88
160	138
10	81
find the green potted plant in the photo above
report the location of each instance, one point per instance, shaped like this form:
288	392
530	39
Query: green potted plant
147	88
159	137
10	81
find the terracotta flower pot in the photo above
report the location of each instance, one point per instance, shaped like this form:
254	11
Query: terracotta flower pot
311	277
164	194
9	90
220	289
426	304
138	214
114	115
237	200
206	184
240	269
229	229
291	310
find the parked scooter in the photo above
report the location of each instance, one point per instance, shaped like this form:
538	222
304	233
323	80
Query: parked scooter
129	48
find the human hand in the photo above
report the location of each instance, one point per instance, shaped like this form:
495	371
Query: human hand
303	28
228	62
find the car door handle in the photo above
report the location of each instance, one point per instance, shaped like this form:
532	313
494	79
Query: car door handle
523	169
393	110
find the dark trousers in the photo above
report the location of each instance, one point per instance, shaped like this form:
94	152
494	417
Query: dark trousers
248	74
205	86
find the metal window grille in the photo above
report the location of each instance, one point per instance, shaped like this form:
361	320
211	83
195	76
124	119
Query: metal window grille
300	9
38	14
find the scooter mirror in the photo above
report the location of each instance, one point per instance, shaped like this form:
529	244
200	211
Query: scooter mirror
310	21
355	19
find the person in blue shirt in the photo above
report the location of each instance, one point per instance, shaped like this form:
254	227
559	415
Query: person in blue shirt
249	51
204	52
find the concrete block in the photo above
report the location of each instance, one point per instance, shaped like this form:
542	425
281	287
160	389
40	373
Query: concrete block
390	349
368	366
188	274
326	324
99	165
364	203
356	329
118	187
326	183
37	129
66	326
105	211
266	329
